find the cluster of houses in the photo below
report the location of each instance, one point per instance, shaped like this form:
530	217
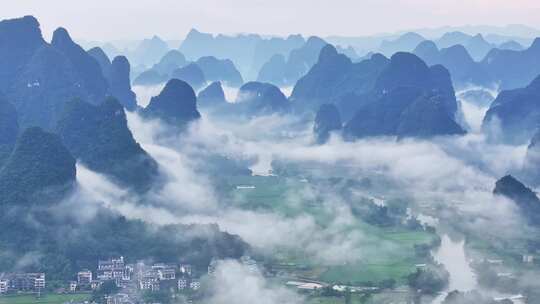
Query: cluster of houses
22	282
162	275
130	277
140	275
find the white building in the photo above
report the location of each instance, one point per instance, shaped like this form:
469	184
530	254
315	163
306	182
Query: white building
166	274
72	286
111	264
149	281
165	271
115	269
39	281
84	277
182	283
527	258
185	269
26	281
310	286
195	285
4	286
120	298
95	284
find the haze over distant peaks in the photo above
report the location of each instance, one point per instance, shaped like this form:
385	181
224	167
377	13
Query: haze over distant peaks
192	74
213	94
404	43
220	70
286	72
463	69
169	62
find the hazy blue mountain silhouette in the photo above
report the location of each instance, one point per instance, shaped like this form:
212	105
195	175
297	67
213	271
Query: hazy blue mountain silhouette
514	116
212	95
176	104
409	99
192	74
222	70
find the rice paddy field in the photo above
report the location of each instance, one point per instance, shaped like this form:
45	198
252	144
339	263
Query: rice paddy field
44	299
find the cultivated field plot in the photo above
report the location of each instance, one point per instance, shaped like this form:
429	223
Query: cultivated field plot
385	252
44	299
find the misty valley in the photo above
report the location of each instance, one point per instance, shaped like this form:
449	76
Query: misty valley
248	168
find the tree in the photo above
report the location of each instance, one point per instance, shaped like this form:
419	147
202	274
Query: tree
429	280
161	296
106	289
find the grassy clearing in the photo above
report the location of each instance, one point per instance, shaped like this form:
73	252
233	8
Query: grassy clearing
383	298
357	274
44	299
389	298
326	300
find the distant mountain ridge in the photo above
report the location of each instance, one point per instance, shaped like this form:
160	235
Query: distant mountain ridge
508	68
240	49
463	69
282	71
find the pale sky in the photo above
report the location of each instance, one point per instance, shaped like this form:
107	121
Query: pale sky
172	19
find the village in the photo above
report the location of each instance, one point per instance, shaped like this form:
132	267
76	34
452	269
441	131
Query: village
130	279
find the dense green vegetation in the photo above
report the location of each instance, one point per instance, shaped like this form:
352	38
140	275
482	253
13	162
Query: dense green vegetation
38	163
429	280
9	129
48	228
99	137
63	248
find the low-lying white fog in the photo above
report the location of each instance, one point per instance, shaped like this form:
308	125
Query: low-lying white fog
145	93
458	172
